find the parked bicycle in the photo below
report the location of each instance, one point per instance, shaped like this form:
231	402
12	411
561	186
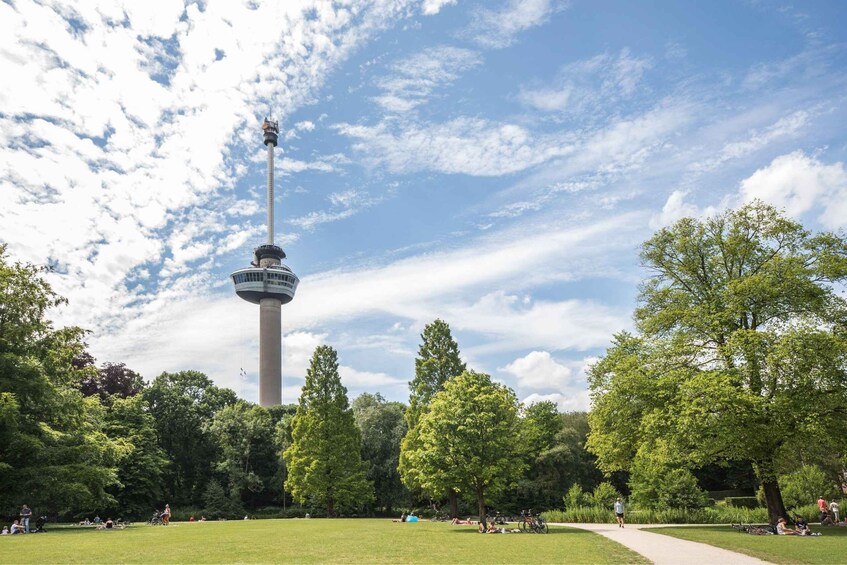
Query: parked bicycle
532	523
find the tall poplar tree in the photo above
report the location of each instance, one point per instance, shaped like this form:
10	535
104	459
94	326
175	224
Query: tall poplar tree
324	459
438	361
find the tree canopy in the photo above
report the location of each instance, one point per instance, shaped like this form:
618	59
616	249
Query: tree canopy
740	353
469	439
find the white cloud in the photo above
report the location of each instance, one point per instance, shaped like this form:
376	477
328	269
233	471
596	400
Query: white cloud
798	183
601	80
415	78
675	209
538	370
431	7
359	380
499	28
578	400
122	98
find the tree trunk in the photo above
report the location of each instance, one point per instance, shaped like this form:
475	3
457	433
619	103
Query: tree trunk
454	503
330	508
773	496
480	498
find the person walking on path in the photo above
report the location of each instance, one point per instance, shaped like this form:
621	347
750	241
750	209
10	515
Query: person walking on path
833	507
26	513
619	511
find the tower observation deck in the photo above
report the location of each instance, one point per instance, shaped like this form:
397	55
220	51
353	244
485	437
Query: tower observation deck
270	284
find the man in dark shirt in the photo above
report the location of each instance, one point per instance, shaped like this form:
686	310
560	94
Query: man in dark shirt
26	512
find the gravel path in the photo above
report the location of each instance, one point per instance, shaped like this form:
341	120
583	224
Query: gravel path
666	550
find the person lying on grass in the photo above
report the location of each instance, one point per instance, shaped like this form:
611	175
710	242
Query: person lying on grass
460	522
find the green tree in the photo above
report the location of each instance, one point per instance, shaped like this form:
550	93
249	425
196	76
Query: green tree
804	485
382	426
244	434
182	405
140	471
604	495
324	459
438	361
54	454
469	439
575	497
741	352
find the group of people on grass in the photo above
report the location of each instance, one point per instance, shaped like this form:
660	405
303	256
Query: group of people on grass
829	516
21	525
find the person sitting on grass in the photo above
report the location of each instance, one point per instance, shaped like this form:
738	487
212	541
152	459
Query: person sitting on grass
460	522
401	519
17	528
783	530
107	525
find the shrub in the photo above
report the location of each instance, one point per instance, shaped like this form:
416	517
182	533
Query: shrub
575	497
742	501
712	515
679	489
656	485
604	495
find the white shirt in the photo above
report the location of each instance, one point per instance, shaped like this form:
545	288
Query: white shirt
618	507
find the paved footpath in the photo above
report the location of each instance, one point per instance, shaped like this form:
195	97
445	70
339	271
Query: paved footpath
667	550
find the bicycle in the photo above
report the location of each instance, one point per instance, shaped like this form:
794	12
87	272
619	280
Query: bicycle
532	523
156	520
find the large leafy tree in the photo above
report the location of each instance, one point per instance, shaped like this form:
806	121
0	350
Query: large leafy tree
245	436
182	405
741	351
324	459
469	439
54	454
141	469
438	361
382	425
553	448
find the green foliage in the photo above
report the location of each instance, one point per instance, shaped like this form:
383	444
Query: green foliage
54	454
805	485
743	501
604	495
711	515
437	362
575	497
182	405
740	355
141	468
244	435
324	459
657	484
469	439
219	504
382	426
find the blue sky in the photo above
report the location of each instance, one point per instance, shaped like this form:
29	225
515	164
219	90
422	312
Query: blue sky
495	164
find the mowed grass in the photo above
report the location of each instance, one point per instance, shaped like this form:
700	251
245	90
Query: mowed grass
310	541
829	548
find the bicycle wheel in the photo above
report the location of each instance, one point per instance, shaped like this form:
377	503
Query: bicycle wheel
523	526
543	529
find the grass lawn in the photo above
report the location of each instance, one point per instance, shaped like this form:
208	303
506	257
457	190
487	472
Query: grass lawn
310	541
829	548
